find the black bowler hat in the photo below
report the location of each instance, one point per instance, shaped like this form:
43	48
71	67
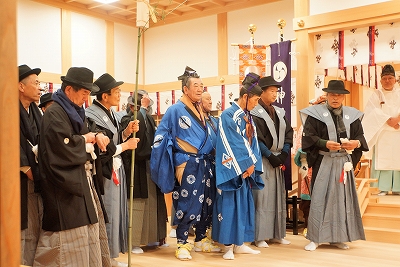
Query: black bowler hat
267	81
44	99
25	71
336	87
105	82
82	77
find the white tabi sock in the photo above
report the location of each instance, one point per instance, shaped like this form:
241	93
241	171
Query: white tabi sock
280	241
311	246
229	253
340	245
261	244
243	249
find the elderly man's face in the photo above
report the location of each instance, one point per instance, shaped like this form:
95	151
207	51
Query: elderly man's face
77	97
206	102
30	87
253	101
195	89
388	82
335	100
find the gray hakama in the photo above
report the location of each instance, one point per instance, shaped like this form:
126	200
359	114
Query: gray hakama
114	197
334	212
148	226
270	202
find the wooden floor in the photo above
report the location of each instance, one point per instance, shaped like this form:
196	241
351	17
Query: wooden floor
361	253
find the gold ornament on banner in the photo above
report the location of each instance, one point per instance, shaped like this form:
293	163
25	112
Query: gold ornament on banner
252	29
281	24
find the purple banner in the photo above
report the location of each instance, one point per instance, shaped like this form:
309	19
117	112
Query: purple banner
281	71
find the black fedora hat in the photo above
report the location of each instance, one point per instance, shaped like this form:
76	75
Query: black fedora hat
267	81
80	76
44	99
336	87
105	82
25	71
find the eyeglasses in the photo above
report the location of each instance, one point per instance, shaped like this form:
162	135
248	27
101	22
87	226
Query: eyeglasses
388	78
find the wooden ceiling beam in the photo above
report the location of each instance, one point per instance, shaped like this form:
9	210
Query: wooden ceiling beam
181	13
94	5
217	2
195	2
198	8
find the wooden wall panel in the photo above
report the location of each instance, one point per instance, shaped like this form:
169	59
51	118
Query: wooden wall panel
9	139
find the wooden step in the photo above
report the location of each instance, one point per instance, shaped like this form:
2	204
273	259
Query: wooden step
381	208
385	235
389	221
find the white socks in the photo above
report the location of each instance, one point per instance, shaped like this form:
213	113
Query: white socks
172	233
280	241
243	249
137	250
115	263
229	253
261	244
311	246
340	245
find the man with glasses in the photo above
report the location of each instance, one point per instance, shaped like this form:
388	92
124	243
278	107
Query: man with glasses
333	140
181	163
381	126
31	202
72	213
115	190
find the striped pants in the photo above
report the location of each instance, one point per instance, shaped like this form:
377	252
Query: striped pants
83	246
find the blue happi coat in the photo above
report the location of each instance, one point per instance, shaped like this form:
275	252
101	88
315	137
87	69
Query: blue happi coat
233	218
191	198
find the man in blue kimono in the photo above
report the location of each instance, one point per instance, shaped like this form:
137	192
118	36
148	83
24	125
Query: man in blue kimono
238	168
181	163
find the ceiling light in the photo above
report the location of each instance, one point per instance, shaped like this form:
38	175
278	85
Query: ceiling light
106	1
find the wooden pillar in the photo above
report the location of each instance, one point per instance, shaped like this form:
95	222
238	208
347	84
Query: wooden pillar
222	22
305	61
10	227
305	70
66	58
110	65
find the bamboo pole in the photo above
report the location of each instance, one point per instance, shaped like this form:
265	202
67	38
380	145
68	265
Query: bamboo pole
133	151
